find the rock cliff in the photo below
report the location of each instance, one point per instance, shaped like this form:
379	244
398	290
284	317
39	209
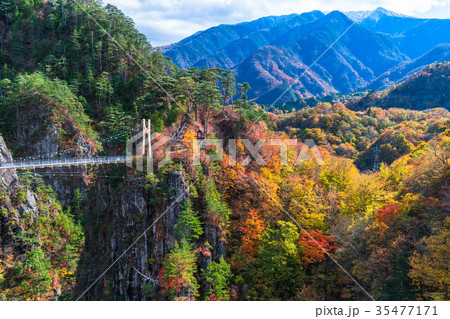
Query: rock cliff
125	224
16	204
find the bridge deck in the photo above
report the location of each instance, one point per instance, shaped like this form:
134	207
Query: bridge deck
30	164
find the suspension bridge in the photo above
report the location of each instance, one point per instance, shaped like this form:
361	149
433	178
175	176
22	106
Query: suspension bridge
144	141
44	163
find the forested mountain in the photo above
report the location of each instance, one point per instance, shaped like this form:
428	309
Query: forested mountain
60	40
371	193
270	59
426	89
353	134
404	70
230	44
422	90
344	68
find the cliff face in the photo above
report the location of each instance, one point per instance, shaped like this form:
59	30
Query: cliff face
120	213
44	139
46	136
50	122
39	242
13	208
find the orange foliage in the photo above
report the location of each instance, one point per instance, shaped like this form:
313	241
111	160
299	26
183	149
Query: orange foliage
314	250
252	228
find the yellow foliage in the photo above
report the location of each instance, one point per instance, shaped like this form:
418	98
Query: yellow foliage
305	205
188	139
270	175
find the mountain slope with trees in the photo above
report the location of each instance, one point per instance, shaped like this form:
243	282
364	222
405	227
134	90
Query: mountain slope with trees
403	71
271	59
225	46
424	90
344	68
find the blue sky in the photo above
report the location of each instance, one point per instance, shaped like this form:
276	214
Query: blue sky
168	21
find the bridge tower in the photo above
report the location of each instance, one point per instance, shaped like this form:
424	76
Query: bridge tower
146	138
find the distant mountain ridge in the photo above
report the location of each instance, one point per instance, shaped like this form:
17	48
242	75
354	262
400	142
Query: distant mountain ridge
343	68
423	90
272	52
198	49
403	71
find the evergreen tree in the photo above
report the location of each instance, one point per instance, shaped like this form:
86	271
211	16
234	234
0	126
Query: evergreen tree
217	277
188	225
398	285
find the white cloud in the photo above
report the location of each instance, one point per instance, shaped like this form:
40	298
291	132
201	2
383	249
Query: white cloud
168	21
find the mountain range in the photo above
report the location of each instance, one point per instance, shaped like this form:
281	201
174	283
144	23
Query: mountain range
347	51
423	90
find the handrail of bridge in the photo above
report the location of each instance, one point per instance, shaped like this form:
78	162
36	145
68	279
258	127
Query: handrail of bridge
64	162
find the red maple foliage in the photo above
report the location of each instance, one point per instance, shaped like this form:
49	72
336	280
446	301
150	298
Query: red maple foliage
387	213
315	246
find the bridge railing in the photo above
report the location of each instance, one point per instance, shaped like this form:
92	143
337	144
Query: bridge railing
64	162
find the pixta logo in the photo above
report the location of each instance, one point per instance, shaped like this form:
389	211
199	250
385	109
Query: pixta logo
140	150
308	151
